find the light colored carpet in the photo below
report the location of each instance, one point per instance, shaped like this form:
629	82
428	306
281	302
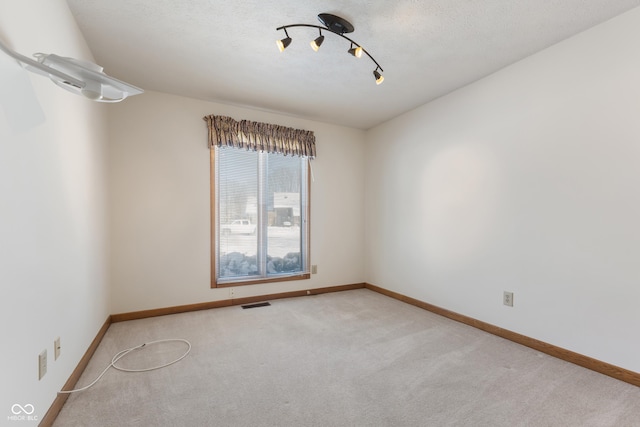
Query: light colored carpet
354	358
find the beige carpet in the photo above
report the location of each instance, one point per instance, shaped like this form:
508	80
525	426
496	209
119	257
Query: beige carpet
354	358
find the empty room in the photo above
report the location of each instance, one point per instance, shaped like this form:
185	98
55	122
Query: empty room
297	213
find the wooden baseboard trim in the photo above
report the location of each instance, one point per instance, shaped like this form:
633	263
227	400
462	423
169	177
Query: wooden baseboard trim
613	371
58	403
121	317
134	315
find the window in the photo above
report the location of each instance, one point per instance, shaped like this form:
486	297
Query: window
260	216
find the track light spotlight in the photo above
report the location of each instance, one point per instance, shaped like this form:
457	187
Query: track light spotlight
355	51
315	44
338	26
282	44
379	77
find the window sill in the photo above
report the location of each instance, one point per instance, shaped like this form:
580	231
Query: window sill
228	284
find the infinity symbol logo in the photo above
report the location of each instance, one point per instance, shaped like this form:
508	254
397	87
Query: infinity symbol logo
27	409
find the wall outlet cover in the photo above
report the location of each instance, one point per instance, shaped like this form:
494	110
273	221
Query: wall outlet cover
42	364
507	298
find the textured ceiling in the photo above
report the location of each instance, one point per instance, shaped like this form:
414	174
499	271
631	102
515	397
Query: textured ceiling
225	51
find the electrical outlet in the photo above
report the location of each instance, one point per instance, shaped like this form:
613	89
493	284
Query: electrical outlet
42	364
232	293
56	348
507	298
314	269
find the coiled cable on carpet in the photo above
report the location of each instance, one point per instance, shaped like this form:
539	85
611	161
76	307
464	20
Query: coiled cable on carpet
123	353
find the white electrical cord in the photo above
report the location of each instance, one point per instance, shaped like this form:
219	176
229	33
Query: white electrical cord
123	353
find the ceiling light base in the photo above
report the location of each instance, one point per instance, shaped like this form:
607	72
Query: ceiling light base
335	23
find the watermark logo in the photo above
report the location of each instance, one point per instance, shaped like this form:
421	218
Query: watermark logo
26	409
22	413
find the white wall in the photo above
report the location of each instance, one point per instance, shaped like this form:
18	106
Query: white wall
160	214
526	181
53	244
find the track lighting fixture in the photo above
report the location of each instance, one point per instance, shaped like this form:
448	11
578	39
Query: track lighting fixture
80	77
338	26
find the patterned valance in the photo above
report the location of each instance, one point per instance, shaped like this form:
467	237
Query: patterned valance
227	132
